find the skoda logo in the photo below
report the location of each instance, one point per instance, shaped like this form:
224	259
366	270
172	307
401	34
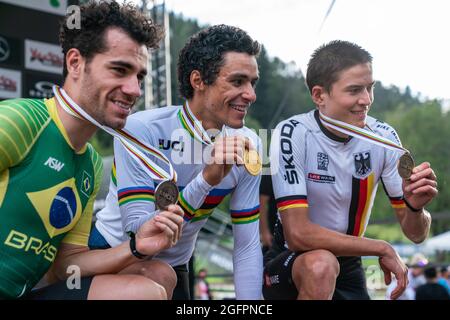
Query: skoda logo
4	49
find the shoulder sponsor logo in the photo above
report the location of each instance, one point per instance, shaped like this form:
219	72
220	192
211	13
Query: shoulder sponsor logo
363	165
5	51
322	161
383	126
394	134
320	178
54	164
291	175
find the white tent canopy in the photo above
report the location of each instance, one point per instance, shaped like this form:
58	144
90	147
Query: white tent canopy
440	242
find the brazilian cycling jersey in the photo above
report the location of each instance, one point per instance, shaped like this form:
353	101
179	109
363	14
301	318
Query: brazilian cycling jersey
47	192
335	178
130	201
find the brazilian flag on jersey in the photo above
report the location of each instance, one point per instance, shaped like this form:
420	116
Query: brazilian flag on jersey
47	192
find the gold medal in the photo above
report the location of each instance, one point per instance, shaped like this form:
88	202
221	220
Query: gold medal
252	162
405	165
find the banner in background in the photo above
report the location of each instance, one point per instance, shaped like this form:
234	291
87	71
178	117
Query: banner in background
43	56
10	84
10	52
39	85
51	6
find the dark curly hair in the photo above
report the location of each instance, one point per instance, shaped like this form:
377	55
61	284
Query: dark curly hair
330	59
205	52
96	18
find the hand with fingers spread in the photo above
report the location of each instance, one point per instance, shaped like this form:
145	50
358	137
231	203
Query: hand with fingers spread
390	263
421	188
226	152
161	232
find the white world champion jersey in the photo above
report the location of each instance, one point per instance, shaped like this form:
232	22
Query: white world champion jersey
130	201
335	178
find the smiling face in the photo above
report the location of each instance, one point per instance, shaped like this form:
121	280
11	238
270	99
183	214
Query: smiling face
350	97
111	80
227	100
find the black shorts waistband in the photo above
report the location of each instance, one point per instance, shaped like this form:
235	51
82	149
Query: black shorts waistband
181	268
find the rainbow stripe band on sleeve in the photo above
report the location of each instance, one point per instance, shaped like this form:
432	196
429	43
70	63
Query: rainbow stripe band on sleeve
189	211
245	215
114	173
397	202
212	200
292	202
127	195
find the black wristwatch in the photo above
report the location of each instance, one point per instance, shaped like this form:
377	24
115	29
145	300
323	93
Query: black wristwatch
133	249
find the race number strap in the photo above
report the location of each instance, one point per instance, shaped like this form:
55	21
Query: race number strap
134	146
360	133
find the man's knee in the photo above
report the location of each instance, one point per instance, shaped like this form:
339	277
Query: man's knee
161	273
317	265
125	287
146	289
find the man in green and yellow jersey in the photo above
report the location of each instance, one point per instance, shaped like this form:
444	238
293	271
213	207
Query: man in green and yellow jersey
49	174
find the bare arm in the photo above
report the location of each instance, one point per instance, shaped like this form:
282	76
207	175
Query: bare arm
302	235
157	234
415	225
264	230
418	192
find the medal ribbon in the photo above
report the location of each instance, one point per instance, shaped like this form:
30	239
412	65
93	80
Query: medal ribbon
194	126
360	133
134	146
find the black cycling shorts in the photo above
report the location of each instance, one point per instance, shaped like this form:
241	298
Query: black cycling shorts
279	285
60	291
181	291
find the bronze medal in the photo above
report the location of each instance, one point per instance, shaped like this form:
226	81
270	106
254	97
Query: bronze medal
405	165
252	162
166	193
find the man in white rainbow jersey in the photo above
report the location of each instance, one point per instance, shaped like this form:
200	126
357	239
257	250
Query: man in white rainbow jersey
217	74
326	167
